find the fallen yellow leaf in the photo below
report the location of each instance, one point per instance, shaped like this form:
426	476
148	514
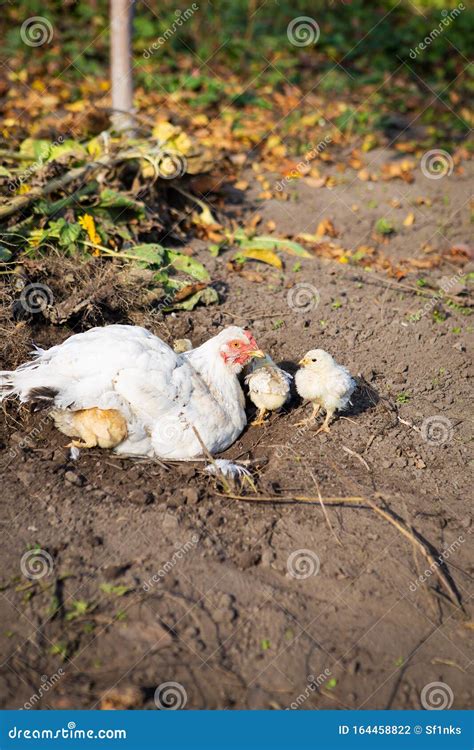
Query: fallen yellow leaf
264	256
410	219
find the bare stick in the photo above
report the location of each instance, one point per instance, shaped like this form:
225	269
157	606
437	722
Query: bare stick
361	501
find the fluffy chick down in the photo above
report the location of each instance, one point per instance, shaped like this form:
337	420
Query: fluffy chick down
325	383
269	386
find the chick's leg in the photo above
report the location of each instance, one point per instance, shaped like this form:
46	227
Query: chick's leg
304	422
325	425
260	421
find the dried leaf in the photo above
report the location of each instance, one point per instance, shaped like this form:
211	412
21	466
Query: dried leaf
264	256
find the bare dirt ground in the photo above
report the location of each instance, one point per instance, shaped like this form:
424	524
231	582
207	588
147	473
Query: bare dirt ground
155	576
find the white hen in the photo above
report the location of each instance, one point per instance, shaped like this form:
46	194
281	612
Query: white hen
122	387
269	387
325	383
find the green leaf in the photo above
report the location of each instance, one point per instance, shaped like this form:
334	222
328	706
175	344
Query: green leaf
215	249
109	588
384	226
4	172
70	147
267	242
152	254
36	149
79	607
188	265
207	296
112	199
5	254
69	234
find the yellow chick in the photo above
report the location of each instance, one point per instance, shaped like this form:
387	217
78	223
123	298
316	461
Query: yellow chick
325	383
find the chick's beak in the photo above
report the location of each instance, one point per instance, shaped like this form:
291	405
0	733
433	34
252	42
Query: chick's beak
303	362
256	353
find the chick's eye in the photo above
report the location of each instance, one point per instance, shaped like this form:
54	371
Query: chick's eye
314	360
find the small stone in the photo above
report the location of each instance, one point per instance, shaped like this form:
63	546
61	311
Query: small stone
98	494
267	558
170	523
249	558
140	497
192	495
114	571
73	478
466	522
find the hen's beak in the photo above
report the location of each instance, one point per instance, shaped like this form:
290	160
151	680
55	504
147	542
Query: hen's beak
256	353
303	362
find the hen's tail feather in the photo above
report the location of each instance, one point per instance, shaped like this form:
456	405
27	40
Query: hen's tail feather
7	387
41	397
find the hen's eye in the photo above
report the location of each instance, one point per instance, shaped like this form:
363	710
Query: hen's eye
235	345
